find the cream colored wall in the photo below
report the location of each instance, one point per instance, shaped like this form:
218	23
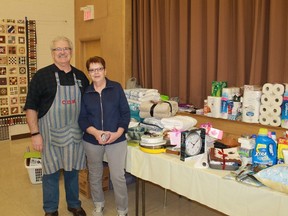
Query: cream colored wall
53	17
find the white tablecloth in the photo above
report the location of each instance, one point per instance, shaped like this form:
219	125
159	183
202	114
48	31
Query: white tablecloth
205	186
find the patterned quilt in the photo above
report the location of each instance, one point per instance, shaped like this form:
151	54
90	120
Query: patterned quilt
18	63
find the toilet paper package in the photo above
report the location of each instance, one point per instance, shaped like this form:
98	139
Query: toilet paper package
236	112
228	95
214	103
251	106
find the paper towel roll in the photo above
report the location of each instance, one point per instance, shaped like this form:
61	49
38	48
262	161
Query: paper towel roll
264	120
264	109
271	100
275	121
267	88
202	161
275	110
270	110
278	89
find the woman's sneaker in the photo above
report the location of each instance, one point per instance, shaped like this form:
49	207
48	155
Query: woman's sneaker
98	211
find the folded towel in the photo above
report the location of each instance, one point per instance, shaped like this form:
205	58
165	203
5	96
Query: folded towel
179	122
151	97
154	121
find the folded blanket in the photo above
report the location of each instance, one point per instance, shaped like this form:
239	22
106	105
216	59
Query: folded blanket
131	101
138	93
154	121
157	115
160	109
151	97
179	122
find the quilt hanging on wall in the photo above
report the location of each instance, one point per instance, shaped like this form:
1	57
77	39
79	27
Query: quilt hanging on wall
18	63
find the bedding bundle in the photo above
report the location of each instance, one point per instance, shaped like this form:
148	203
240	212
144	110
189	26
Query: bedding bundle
161	109
142	94
178	122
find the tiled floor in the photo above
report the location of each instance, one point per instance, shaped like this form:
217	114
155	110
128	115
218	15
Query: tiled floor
19	197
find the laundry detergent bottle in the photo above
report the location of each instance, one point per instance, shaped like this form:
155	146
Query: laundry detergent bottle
265	151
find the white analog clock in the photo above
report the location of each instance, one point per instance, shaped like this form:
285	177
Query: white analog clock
192	143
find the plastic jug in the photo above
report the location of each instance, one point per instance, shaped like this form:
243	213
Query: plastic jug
265	151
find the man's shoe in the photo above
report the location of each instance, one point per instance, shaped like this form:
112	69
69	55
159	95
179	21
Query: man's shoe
77	211
51	213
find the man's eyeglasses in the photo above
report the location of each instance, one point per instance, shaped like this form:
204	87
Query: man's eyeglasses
59	49
96	70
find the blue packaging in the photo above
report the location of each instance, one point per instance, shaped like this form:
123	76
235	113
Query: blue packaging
284	109
265	151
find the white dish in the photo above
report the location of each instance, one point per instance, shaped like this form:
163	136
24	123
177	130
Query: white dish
153	144
151	139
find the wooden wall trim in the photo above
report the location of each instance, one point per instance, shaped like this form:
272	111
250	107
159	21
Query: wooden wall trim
233	128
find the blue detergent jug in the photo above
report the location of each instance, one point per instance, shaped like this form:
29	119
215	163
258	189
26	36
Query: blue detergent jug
265	151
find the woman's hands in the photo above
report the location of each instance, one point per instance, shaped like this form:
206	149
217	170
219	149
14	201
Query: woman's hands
105	137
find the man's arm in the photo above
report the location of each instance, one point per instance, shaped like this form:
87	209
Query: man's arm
32	120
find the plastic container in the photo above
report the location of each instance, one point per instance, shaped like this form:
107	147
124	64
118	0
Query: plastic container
34	170
265	151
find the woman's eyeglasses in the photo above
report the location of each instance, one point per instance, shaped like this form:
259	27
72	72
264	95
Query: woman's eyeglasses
96	70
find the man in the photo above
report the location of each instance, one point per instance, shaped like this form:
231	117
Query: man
52	109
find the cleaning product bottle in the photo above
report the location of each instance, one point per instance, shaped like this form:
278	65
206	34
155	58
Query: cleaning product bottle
265	151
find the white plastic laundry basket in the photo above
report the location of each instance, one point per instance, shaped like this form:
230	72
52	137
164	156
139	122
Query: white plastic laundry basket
34	169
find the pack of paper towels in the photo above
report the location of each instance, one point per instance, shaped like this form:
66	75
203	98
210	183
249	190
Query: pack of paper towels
271	101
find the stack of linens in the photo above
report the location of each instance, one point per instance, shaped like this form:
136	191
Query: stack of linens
179	122
161	109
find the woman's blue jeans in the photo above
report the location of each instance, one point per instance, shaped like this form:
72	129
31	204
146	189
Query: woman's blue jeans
50	187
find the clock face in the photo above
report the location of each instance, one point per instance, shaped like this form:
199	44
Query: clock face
193	144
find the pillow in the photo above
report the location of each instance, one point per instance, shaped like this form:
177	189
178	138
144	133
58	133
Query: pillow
275	177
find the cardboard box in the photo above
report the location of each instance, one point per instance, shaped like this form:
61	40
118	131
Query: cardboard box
84	186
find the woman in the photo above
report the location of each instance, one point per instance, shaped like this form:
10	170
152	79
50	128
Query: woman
104	118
